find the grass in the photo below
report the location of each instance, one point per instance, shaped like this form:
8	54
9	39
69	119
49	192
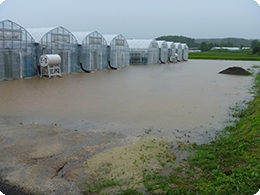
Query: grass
225	55
228	165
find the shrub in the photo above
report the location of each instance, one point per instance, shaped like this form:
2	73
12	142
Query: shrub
256	49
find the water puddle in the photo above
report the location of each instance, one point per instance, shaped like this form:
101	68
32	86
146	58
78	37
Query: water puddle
188	100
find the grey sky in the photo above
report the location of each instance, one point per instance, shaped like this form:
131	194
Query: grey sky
141	18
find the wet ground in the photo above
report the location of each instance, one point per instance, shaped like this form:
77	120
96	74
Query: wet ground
49	127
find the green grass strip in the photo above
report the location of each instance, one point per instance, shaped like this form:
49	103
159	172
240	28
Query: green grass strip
223	56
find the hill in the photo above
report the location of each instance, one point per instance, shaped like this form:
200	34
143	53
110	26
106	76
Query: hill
237	42
191	42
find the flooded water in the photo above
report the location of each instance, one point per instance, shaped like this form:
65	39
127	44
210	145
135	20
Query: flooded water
188	100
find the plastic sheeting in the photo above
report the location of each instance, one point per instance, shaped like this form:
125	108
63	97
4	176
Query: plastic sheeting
185	51
163	47
118	50
93	51
143	51
58	41
17	52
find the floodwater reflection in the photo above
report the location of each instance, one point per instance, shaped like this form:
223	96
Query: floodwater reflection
187	100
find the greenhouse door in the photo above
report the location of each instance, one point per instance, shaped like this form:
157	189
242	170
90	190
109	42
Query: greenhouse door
65	60
120	58
10	64
95	60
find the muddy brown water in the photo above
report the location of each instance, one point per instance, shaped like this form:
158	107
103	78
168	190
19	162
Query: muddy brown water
57	135
187	100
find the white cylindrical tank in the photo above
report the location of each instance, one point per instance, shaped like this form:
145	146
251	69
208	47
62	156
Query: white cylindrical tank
49	59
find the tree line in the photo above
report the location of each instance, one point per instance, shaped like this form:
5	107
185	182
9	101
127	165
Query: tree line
255	45
207	44
189	41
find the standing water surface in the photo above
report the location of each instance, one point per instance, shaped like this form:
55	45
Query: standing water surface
187	100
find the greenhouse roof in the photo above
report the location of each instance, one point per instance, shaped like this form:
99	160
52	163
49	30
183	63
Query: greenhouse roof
169	44
80	36
184	46
109	38
177	45
140	43
160	43
15	26
38	33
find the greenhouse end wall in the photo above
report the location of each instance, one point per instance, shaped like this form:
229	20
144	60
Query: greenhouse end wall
17	52
118	50
93	50
143	51
58	41
163	54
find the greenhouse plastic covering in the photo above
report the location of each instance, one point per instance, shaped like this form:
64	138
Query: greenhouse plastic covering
172	50
17	52
20	50
93	51
118	50
178	51
185	51
58	41
143	51
163	47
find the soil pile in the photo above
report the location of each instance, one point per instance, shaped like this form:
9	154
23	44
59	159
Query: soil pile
235	71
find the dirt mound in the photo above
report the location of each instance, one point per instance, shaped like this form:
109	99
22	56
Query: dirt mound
235	71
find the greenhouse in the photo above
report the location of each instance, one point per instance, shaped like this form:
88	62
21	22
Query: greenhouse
58	41
93	50
178	48
17	52
143	51
185	51
118	50
171	53
163	51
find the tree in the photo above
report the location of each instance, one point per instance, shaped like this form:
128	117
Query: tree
229	44
254	43
256	49
211	45
204	46
189	41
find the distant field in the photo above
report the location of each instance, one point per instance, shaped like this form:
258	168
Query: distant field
224	56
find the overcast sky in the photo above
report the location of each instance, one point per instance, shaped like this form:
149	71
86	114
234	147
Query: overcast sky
141	18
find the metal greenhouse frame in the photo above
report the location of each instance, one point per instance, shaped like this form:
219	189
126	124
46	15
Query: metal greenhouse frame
178	51
163	51
118	50
185	51
143	51
93	50
171	53
58	41
17	52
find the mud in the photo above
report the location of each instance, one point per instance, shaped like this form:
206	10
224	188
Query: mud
50	128
38	155
235	71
